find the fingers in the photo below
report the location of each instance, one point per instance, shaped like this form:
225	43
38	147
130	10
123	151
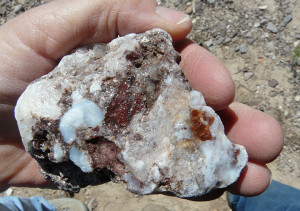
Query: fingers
254	180
262	137
207	74
260	133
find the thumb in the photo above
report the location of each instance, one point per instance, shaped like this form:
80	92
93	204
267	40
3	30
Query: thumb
32	43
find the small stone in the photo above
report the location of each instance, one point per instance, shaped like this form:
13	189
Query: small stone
208	43
248	75
18	8
287	49
256	25
271	27
248	34
297	36
272	94
2	10
211	1
227	40
9	192
287	19
251	41
189	9
297	98
264	21
272	83
3	2
263	7
243	48
220	40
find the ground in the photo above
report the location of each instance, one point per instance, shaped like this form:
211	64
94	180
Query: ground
259	43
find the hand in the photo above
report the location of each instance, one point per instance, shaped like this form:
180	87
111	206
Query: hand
32	44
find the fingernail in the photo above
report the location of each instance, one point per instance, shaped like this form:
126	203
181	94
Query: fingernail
172	15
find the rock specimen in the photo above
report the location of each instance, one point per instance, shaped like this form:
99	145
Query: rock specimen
124	111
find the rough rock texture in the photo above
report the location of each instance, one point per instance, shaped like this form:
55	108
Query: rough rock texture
124	111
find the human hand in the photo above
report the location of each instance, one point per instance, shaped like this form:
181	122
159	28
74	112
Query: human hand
33	43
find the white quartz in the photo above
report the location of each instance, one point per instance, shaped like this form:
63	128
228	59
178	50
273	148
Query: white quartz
58	153
81	159
82	114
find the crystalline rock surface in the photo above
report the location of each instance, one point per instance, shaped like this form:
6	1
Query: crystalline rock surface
124	111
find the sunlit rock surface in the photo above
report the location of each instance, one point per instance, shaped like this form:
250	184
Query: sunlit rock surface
124	111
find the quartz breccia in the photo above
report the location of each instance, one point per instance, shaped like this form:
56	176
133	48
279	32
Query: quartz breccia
125	111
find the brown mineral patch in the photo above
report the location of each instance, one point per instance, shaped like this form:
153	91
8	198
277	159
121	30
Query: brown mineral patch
104	155
235	156
199	128
124	105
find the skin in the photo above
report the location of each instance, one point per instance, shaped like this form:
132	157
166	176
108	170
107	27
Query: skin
34	42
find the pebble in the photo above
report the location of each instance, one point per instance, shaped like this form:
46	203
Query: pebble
271	27
189	9
18	8
248	75
297	36
256	25
286	49
297	98
208	43
227	40
211	1
2	10
220	40
9	192
272	94
272	83
3	2
264	21
287	19
263	7
243	48
248	34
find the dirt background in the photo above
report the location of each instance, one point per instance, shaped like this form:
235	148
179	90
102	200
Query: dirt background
259	43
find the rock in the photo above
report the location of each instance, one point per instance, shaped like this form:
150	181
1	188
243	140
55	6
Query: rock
227	40
3	2
272	94
243	48
263	7
248	75
287	19
256	25
248	34
272	28
211	1
272	83
18	8
297	36
189	9
2	10
220	40
208	43
286	49
124	111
